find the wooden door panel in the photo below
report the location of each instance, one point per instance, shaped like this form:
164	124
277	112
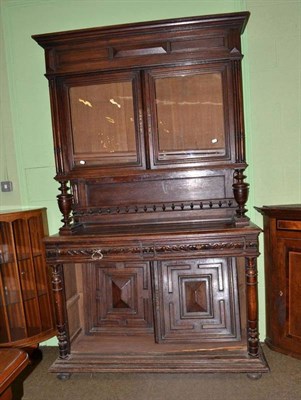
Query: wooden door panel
121	298
197	300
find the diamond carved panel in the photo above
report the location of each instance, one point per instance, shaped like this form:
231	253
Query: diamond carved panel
196	300
123	298
121	293
195	296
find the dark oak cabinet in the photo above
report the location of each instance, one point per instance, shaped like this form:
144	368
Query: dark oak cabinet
26	308
154	267
282	240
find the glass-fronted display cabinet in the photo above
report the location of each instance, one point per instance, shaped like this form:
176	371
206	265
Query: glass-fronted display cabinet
26	310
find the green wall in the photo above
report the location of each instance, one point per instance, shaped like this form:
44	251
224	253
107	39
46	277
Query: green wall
272	65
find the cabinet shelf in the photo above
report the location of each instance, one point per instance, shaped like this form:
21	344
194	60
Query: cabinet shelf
6	259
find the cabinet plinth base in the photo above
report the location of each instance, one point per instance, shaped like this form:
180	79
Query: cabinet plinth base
192	362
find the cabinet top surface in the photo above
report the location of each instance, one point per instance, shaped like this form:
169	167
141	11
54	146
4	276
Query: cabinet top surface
20	210
281	211
156	231
11	360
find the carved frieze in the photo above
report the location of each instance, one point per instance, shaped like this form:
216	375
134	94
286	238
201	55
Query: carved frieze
97	253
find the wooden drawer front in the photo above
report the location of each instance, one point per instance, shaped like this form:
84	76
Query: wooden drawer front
288	225
197	300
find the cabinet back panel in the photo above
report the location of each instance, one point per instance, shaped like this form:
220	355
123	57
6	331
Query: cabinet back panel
169	190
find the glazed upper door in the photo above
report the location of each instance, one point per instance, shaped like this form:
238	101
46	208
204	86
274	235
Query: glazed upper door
189	115
158	118
103	127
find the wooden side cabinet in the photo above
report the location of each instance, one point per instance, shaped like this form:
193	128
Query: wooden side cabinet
26	316
282	243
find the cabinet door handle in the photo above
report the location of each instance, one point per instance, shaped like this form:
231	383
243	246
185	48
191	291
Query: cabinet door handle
281	293
97	255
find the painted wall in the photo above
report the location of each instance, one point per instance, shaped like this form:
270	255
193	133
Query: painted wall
8	160
272	92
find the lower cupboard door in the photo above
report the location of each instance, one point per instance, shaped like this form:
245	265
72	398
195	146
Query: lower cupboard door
119	298
196	300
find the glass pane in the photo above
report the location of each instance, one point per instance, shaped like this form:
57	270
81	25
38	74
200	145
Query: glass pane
35	226
32	317
16	321
6	243
190	114
45	312
22	240
103	123
41	275
3	325
27	279
10	281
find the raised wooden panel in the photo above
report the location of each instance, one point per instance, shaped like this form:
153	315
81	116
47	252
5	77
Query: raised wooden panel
66	57
197	300
73	297
289	225
195	296
203	197
168	190
120	298
197	45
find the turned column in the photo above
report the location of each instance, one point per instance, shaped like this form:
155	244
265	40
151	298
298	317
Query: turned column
65	200
241	194
252	306
60	313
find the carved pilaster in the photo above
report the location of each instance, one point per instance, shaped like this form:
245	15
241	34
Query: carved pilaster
238	111
241	193
59	305
252	306
65	200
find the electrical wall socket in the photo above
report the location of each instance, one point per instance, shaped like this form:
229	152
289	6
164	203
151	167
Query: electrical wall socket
6	186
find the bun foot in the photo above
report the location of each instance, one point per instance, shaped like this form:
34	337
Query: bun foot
254	375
